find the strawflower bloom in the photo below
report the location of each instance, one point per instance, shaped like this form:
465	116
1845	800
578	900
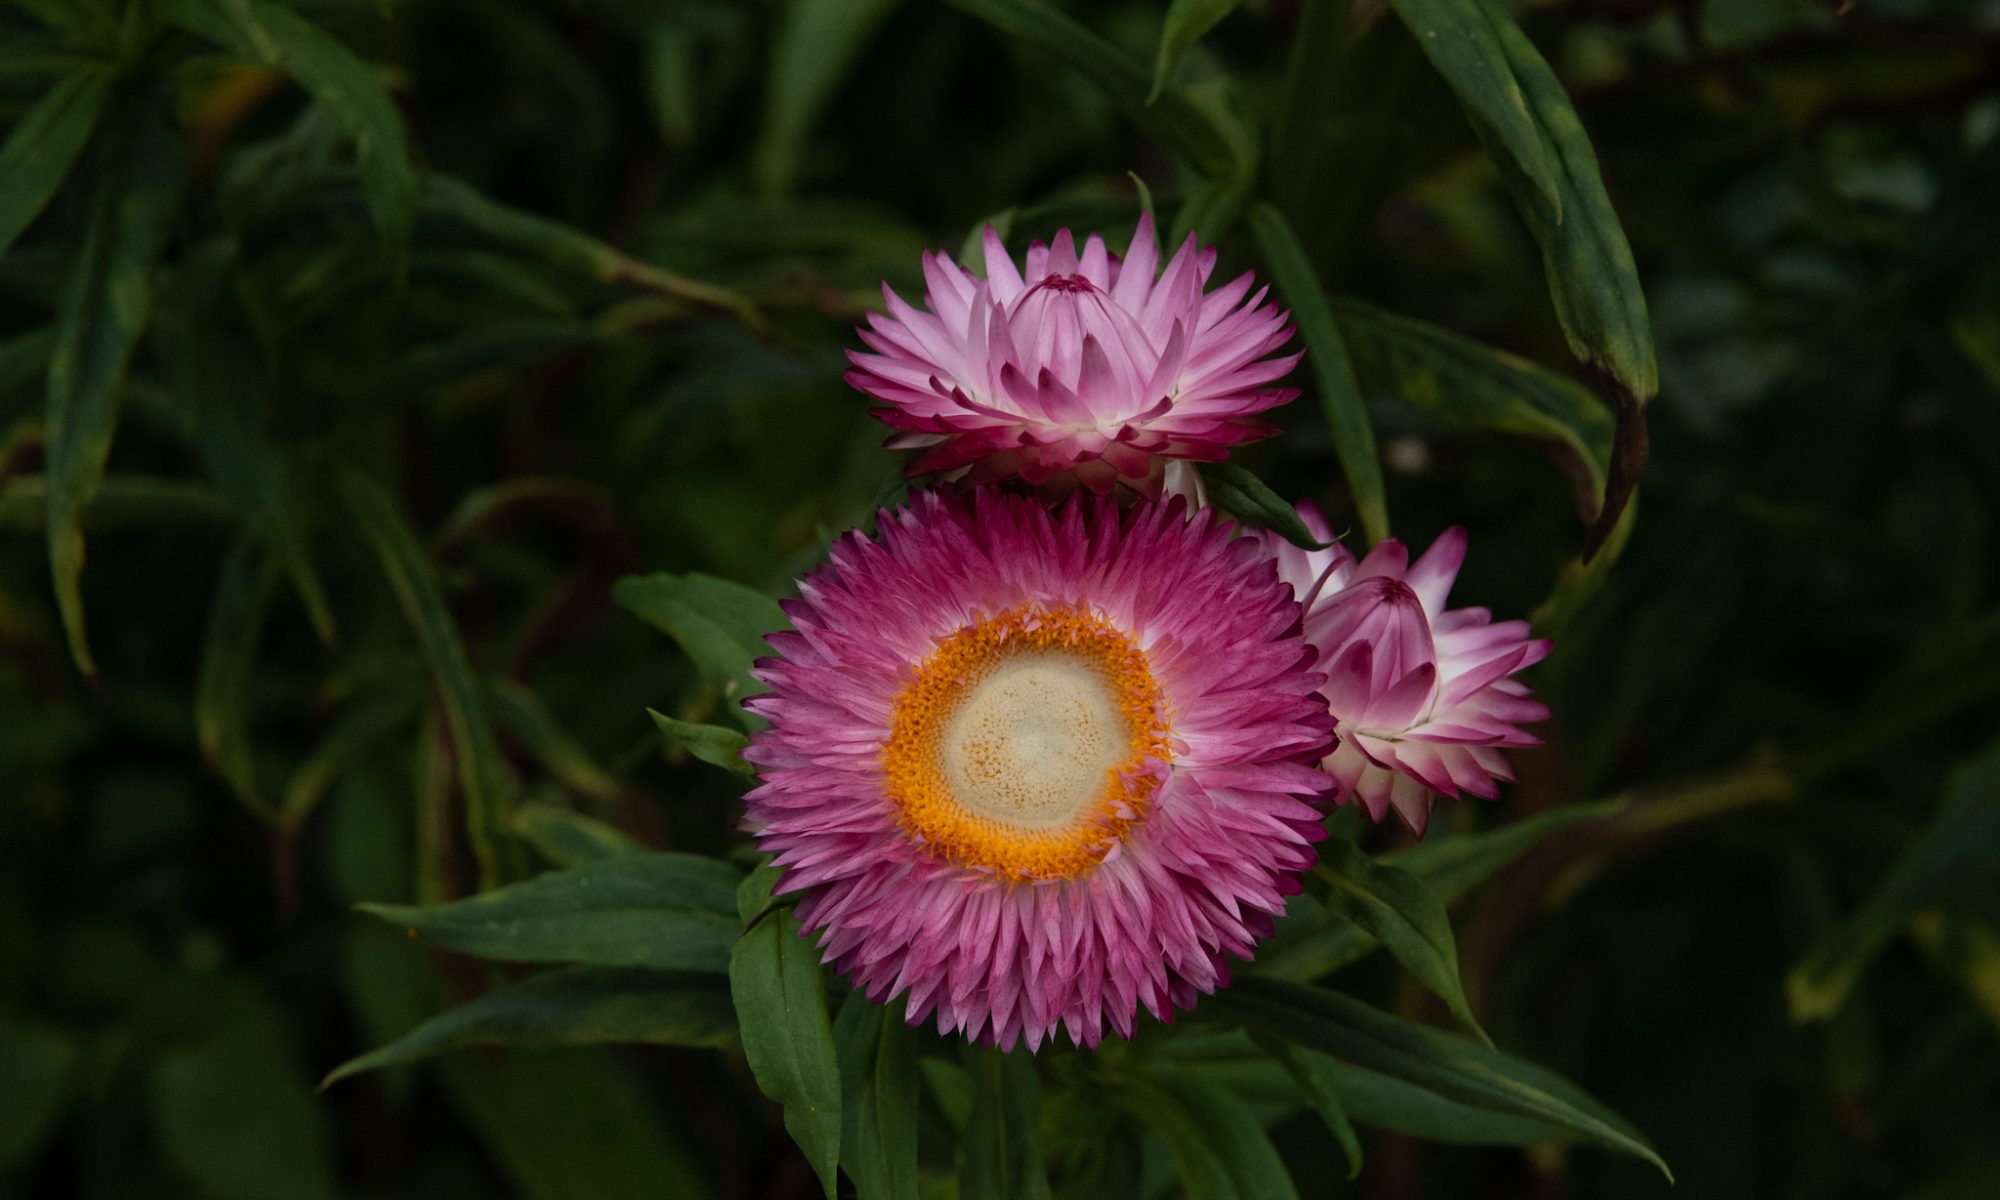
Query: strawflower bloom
1086	370
1424	695
1038	769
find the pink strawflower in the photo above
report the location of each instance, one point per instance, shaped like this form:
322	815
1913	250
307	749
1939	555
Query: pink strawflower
1087	370
1424	695
1040	768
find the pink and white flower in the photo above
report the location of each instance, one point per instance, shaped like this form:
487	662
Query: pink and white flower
1040	769
1424	695
1086	370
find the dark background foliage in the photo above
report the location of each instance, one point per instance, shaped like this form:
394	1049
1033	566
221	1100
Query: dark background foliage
402	386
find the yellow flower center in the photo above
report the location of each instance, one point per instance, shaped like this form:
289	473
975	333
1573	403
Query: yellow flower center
1023	743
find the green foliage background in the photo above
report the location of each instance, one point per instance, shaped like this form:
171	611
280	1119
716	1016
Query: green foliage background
350	351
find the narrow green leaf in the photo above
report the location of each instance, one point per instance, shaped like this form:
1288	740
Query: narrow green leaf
709	743
780	996
570	249
1961	843
23	358
351	92
569	1007
878	1101
1403	914
1242	495
121	502
523	715
103	310
1174	119
1463	41
569	1123
1581	578
231	1120
414	581
1451	1066
1593	279
224	403
812	51
1473	386
1317	1077
1455	864
1326	355
485	347
719	624
44	144
1312	940
1384	1102
85	20
1185	24
38	1064
568	838
1219	1146
669	911
243	593
360	727
1003	1144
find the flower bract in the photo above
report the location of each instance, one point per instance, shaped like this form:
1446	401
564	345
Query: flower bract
1425	696
1040	769
1085	369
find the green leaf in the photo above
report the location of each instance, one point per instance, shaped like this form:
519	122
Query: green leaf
1961	843
44	144
570	249
1448	1065
1403	914
570	1007
1242	495
1593	279
414	581
719	624
105	304
1333	372
1173	118
668	911
709	743
567	1123
780	996
570	839
813	49
236	619
1312	941
223	401
358	729
1384	1102
1473	386
1185	24
238	1123
1463	40
350	91
878	1100
37	1066
1002	1144
1455	864
121	502
1582	578
523	715
1317	1077
1219	1146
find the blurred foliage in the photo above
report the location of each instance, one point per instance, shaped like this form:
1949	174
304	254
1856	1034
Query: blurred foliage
350	350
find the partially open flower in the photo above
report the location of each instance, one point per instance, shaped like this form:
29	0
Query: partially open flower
1424	695
1087	370
1040	769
